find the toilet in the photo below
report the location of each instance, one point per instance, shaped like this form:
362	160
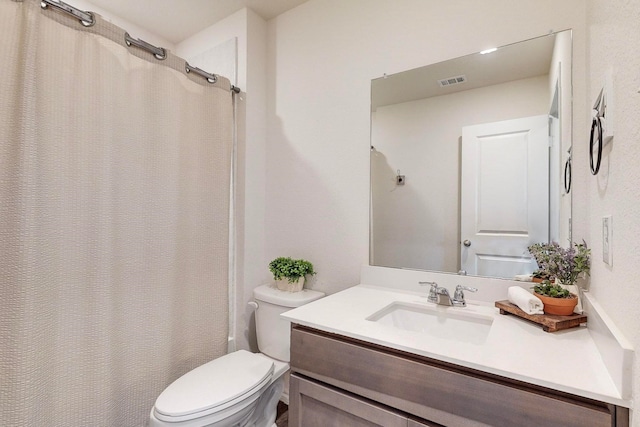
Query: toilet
239	388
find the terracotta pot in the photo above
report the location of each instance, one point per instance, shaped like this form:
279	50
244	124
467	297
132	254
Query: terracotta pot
558	306
296	286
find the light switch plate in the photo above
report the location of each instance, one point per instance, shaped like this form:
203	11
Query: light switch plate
607	239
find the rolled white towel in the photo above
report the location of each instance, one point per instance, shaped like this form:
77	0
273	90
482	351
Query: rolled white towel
523	277
524	299
574	290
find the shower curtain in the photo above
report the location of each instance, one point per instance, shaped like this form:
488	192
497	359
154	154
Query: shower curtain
114	207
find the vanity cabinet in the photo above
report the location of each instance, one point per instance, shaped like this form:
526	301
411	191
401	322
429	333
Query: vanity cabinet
319	405
339	381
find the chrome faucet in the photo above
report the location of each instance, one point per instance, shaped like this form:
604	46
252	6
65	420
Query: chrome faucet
440	295
443	297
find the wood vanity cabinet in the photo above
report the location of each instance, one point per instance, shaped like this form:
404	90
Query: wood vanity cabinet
320	405
338	381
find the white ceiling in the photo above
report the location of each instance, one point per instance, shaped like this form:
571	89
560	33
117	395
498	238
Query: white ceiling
517	61
177	20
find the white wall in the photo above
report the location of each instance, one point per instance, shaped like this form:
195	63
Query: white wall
251	256
134	30
614	42
249	30
232	27
417	225
322	57
305	189
560	71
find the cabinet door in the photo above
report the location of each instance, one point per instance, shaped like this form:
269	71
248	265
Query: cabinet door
313	404
432	391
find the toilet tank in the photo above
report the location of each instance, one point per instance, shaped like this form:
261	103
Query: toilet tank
273	332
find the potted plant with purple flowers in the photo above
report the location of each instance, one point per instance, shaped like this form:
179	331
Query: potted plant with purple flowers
562	267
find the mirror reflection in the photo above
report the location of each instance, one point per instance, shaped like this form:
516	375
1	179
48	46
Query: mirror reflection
467	160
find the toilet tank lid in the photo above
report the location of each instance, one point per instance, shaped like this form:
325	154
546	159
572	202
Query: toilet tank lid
273	295
213	384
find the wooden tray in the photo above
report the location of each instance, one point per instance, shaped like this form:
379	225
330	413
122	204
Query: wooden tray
549	322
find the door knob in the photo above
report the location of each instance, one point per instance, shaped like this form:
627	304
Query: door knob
467	243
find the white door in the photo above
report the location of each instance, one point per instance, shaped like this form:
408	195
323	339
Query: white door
504	195
556	179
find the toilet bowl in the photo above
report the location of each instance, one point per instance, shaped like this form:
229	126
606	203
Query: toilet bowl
239	388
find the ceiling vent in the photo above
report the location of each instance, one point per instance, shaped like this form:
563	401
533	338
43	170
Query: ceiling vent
449	81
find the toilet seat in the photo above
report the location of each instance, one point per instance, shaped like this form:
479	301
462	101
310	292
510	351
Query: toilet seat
215	386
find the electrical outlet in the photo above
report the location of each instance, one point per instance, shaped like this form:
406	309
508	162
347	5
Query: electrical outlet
607	239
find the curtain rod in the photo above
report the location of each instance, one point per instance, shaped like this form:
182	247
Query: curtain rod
88	19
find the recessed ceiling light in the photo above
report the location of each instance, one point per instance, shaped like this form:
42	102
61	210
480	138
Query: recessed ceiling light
484	52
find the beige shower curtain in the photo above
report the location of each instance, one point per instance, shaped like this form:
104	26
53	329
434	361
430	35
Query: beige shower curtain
114	198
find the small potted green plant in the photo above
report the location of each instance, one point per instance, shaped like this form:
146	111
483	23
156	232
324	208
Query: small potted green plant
289	273
562	267
539	276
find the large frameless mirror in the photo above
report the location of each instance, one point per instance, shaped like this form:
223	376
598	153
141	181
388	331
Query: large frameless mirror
468	160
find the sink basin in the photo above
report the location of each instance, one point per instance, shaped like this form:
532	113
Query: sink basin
437	321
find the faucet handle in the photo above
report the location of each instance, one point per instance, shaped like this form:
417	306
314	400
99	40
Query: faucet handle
433	292
428	283
460	289
458	296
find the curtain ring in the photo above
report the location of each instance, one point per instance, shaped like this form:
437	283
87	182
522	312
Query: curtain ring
91	22
86	18
596	125
159	53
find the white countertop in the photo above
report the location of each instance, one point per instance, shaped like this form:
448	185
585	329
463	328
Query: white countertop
567	361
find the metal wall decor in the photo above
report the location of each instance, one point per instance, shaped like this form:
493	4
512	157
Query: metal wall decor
567	174
595	140
601	131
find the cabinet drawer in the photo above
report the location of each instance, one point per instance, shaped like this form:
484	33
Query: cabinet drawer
433	392
316	405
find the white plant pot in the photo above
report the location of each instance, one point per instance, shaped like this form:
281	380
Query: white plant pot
296	286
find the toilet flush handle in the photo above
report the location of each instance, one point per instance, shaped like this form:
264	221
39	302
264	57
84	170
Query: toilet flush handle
253	305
